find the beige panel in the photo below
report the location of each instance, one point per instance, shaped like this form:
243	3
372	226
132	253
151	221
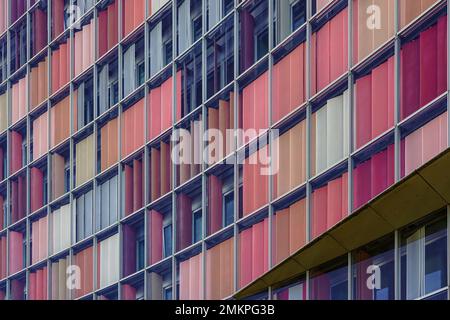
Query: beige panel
155	286
85	160
3	113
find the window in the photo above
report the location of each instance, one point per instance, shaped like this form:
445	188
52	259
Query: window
167	293
140	248
66	175
298	14
167	240
424	260
24	152
83	207
45	188
140	74
376	258
197	28
197	226
262	42
228	209
107	206
168	50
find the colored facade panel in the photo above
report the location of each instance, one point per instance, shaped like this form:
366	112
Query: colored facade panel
87	127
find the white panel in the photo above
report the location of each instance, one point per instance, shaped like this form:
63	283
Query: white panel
65	226
156	49
346	120
413	261
296	292
109	261
103	89
184	26
129	65
214	12
335	130
321	139
56	231
158	4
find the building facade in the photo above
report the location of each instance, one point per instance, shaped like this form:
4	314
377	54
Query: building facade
327	180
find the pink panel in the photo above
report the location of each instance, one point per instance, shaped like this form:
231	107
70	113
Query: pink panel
15	252
334	202
322	50
380	100
245	261
338	45
258	253
155	113
128	292
166	104
184	280
432	139
413	151
319	219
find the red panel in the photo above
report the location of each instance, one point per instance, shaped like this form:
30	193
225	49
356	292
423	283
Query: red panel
55	70
319	220
154	114
64	66
128	190
428	65
139	12
245	261
215	204
156	227
184	216
103	33
258	253
37	194
128	292
338	45
58	17
380	100
113	32
248	188
442	55
166	104
128	13
322	51
137	185
16	151
410	78
334	202
380	176
15	252
362	181
32	287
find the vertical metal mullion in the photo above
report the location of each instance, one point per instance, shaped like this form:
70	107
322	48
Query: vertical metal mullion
119	140
175	292
95	146
448	251
49	160
28	151
270	136
236	144
351	103
397	283
448	81
204	145
146	162
308	120
8	144
397	115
